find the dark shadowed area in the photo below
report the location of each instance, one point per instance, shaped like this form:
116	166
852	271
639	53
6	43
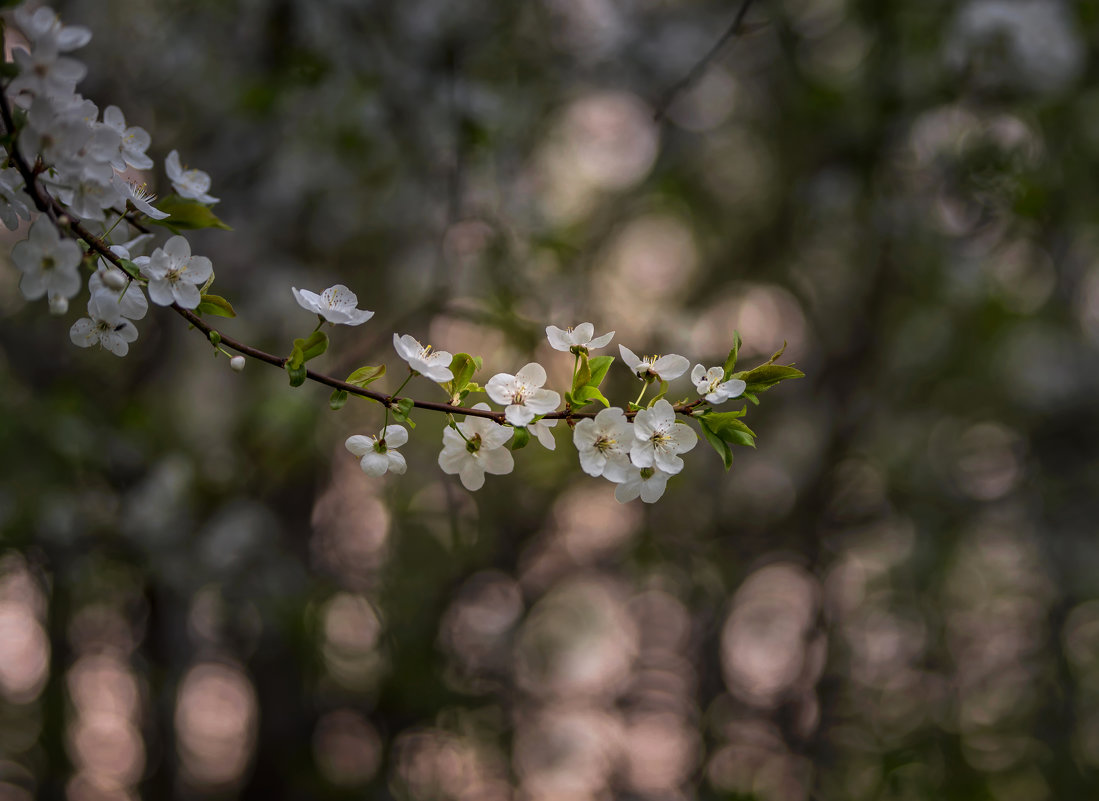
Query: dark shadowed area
895	596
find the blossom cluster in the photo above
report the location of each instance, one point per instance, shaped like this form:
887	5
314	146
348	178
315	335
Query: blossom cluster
77	176
87	167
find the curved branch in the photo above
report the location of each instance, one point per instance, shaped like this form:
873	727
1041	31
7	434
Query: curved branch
47	204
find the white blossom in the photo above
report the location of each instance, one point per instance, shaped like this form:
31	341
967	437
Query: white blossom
108	278
191	184
477	450
337	305
580	337
523	395
139	197
432	364
43	26
709	383
604	444
237	364
133	141
658	438
174	274
378	453
13	202
43	73
663	367
648	482
104	325
48	262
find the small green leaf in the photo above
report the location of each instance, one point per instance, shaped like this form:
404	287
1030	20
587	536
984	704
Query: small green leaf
187	215
729	427
215	305
297	358
730	361
131	268
599	367
401	409
719	445
297	374
312	346
752	397
463	366
588	393
519	439
366	375
338	399
583	372
215	339
766	376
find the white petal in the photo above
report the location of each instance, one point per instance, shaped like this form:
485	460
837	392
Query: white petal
545	436
306	299
374	464
670	366
83	333
592	462
586	432
698	377
533	375
397	463
683	436
199	268
178	249
518	415
629	357
601	342
733	388
542	401
498	461
653	488
628	490
452	459
501	387
186	295
583	333
667	461
641	454
395	436
558	338
359	445
473	477
160	292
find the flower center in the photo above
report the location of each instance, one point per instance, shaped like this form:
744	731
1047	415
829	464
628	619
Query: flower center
174	274
48	263
661	440
474	444
605	443
519	396
647	473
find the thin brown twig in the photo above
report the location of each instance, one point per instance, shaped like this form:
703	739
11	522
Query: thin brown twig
696	71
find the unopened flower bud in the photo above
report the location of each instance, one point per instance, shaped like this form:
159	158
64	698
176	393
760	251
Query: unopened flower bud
114	279
58	304
237	363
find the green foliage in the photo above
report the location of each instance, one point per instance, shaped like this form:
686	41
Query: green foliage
765	375
366	375
401	409
337	400
187	215
463	366
730	361
305	349
722	429
590	373
215	305
519	439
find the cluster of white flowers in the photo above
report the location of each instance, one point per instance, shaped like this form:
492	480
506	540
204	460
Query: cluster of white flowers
90	167
638	455
76	178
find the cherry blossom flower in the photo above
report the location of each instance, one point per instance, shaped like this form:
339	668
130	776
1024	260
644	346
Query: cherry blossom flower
658	438
432	364
48	262
709	383
663	367
174	274
13	202
104	325
604	444
42	73
477	450
191	184
108	278
576	339
336	305
378	454
133	141
139	197
648	482
44	26
237	364
523	395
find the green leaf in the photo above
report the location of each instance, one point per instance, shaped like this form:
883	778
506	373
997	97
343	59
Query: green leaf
463	366
729	427
588	393
519	439
720	445
401	409
215	305
730	361
752	397
338	399
366	375
599	366
187	215
312	346
297	374
297	358
766	376
583	372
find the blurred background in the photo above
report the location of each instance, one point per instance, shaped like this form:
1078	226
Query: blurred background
895	597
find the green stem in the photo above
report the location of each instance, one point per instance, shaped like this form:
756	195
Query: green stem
453	424
107	233
411	373
644	389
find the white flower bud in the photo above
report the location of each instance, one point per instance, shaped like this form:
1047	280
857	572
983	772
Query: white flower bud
114	279
59	304
237	363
